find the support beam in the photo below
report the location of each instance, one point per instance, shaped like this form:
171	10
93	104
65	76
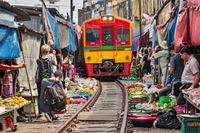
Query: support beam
140	14
71	10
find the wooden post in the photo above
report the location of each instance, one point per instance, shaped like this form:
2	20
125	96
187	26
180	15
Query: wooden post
71	10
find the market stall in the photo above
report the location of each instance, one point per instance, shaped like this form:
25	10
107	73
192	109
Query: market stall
192	98
85	88
146	109
8	110
144	104
9	52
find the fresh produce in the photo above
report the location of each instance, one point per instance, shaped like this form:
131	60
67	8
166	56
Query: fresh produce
194	95
13	101
143	106
147	106
84	91
134	73
136	90
166	102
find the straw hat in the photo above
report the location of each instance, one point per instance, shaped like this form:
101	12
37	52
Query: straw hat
164	45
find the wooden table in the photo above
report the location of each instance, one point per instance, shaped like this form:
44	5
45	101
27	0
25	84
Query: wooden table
13	112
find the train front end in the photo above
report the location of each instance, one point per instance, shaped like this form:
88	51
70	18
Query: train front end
107	46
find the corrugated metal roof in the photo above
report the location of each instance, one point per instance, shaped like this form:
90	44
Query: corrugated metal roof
37	10
25	29
9	24
20	14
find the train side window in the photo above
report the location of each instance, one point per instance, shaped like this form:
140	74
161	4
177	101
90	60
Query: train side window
92	35
107	35
123	35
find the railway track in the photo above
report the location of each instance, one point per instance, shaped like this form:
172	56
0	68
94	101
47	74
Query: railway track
105	112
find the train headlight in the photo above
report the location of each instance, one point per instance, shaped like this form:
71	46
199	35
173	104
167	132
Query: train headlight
110	18
107	19
104	18
127	57
88	58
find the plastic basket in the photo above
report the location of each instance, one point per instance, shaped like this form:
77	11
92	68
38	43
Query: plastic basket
190	125
143	120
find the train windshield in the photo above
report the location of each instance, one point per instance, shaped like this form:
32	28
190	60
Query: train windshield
107	35
123	35
92	35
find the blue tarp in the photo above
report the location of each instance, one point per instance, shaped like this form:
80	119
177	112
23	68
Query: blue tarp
9	43
171	29
54	27
71	34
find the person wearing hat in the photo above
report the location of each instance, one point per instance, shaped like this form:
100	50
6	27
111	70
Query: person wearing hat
162	56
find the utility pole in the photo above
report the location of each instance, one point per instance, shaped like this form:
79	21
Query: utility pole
129	9
71	10
105	7
83	11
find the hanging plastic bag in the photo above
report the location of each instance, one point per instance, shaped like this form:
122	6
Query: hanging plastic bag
168	119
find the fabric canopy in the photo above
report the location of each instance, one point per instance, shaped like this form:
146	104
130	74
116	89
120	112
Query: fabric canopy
193	2
54	26
51	26
171	29
100	1
187	28
71	34
9	43
64	38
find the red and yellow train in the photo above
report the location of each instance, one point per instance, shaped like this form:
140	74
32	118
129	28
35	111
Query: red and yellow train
107	46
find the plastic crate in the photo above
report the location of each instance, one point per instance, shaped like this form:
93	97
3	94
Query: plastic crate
190	125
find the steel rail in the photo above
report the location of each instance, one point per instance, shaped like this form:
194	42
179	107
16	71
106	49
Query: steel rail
125	109
92	100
